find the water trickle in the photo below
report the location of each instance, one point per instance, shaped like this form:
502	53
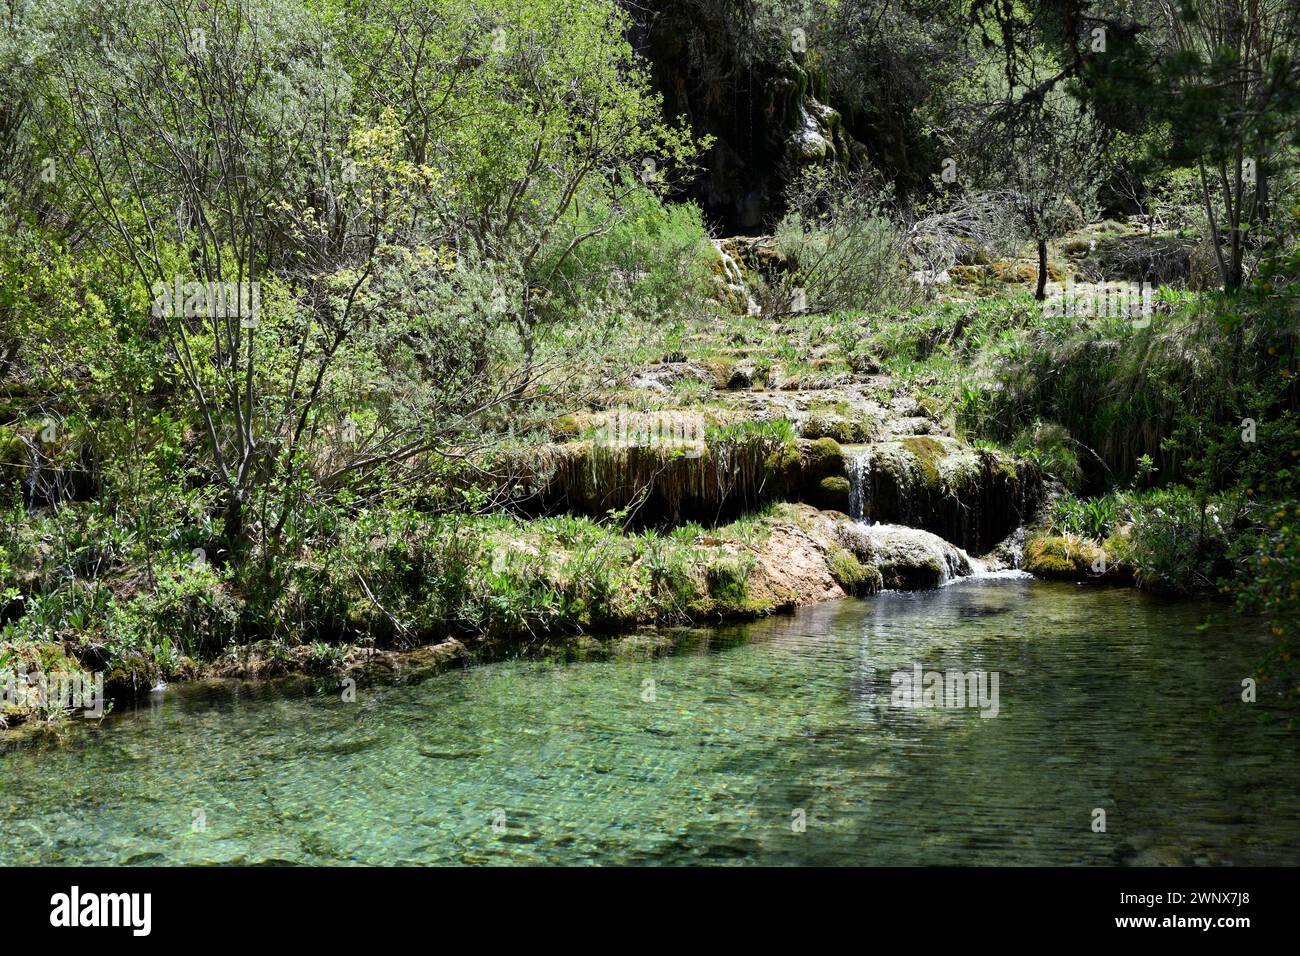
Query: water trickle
33	475
859	468
736	278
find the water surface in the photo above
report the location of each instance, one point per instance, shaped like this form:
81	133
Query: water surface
1108	699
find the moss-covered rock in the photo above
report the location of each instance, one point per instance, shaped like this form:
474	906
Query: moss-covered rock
1069	558
565	427
130	675
720	368
13	455
909	559
676	481
822	458
972	497
833	493
844	429
852	575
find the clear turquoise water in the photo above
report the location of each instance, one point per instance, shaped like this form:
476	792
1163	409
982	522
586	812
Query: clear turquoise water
1108	699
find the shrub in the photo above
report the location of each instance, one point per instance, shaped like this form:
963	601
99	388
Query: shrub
1270	586
848	254
1093	519
1050	447
1180	541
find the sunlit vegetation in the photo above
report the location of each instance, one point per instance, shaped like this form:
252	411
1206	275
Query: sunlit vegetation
319	321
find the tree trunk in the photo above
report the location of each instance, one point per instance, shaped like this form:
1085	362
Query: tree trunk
233	525
1041	292
1235	275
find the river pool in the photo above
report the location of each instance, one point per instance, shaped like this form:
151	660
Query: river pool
778	742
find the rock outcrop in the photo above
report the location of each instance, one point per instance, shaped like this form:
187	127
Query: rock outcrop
909	559
972	497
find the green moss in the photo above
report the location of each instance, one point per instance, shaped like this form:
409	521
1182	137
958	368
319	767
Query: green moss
721	368
129	675
852	575
784	460
928	453
844	429
12	453
833	492
728	580
824	457
1068	559
566	426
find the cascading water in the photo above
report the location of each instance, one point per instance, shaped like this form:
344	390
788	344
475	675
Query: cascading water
33	475
901	546
736	278
859	469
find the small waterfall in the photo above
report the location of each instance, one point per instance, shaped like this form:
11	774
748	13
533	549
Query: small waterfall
859	466
736	278
1004	560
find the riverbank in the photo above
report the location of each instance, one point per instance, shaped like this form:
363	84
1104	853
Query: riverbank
723	469
521	585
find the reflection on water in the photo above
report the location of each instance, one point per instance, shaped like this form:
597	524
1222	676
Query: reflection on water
1107	699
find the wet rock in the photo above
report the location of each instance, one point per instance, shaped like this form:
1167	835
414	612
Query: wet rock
973	497
677	480
760	254
909	559
903	427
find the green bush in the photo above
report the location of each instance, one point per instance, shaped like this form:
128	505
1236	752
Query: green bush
848	254
653	265
1053	450
1270	586
1180	541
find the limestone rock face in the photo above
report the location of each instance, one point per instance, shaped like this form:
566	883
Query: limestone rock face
972	497
769	112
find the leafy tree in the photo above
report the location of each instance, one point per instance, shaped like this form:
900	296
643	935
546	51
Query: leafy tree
1036	144
408	189
542	120
1228	85
1221	76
